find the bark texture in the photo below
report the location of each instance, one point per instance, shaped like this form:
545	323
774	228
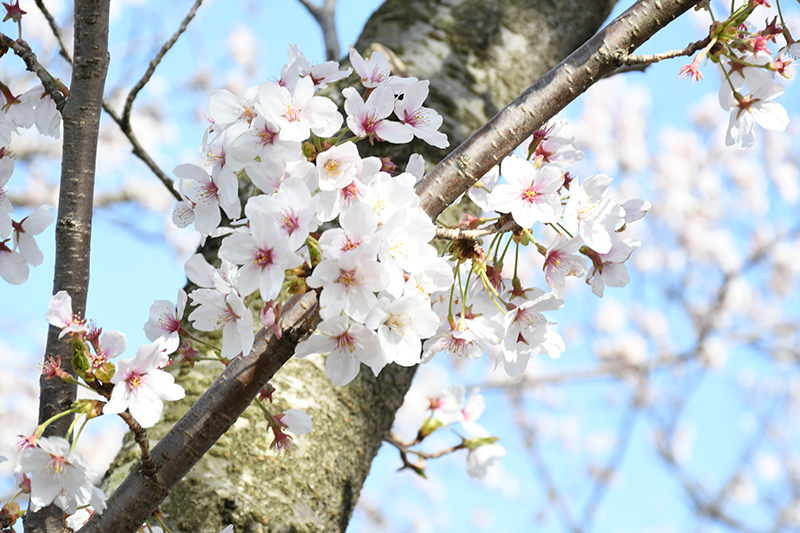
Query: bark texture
81	115
478	55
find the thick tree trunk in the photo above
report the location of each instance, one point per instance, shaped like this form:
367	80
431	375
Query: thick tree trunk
479	55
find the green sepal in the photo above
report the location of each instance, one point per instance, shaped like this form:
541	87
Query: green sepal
477	443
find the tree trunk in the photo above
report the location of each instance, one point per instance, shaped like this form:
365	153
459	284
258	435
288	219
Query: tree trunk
479	55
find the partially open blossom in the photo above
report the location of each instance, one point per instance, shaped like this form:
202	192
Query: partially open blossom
60	315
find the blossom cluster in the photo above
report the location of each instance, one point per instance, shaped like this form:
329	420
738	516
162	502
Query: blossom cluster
323	217
18	248
749	61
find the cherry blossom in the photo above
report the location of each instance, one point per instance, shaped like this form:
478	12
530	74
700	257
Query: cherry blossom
560	262
369	119
424	122
375	71
298	113
608	269
263	253
348	284
58	475
13	267
140	386
23	233
400	325
347	344
165	322
209	193
531	194
596	216
216	310
59	314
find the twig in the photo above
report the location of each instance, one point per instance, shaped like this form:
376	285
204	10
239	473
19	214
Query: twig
126	112
55	29
122	122
631	60
33	65
455	234
140	436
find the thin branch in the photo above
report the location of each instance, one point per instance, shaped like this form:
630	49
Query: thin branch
640	61
126	112
455	234
51	21
32	64
140	152
140	436
124	124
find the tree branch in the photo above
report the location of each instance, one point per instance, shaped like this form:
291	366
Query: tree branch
74	224
126	112
33	65
239	383
207	420
541	101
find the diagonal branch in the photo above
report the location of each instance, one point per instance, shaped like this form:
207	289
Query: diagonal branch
541	101
126	112
233	391
33	65
124	121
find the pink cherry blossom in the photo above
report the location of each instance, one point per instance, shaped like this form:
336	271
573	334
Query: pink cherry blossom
140	386
347	344
531	194
369	119
60	315
58	475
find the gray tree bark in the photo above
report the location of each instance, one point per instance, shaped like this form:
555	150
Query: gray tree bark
479	55
81	115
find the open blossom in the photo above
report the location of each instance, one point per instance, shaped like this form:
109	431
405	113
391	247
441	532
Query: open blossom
208	194
401	324
58	475
531	194
111	344
757	107
608	270
216	310
424	122
297	112
60	315
165	322
594	215
141	386
553	144
375	71
560	262
369	119
292	208
263	253
13	267
481	460
349	284
347	344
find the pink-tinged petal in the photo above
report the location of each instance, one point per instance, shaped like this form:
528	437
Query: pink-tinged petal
38	221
